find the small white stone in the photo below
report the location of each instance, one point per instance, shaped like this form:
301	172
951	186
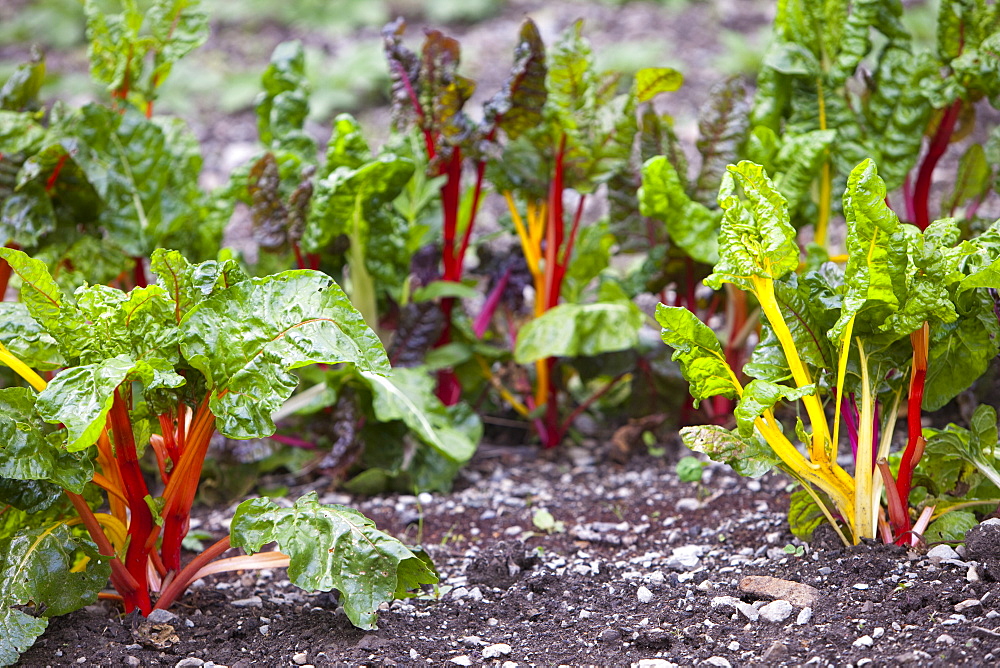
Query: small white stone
733	646
804	616
644	595
878	632
945	639
706	585
414	654
497	650
461	660
967	604
190	662
776	611
940	552
973	574
861	585
864	641
302	658
718	661
424	498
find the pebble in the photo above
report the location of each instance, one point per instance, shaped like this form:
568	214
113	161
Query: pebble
940	552
685	558
190	662
644	595
301	658
798	594
610	635
878	632
804	616
733	646
864	641
252	602
654	663
461	660
968	604
718	661
161	616
861	586
497	650
775	654
776	611
914	656
748	610
133	661
471	641
945	639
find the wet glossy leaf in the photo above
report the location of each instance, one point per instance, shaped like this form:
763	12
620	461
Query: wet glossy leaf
333	547
579	330
697	349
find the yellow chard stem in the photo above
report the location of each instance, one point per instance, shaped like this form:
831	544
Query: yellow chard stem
845	352
764	289
864	514
825	185
21	369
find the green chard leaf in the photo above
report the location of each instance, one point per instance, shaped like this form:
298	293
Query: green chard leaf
35	569
651	81
333	547
27	452
247	338
757	239
750	457
579	330
951	527
803	514
697	349
408	395
283	105
760	396
81	397
27	340
977	446
874	265
691	225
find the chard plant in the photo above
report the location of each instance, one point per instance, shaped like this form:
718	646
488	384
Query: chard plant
843	81
907	321
429	94
157	371
92	191
583	138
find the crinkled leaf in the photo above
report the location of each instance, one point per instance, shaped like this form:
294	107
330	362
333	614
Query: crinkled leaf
39	292
760	396
20	91
140	323
697	349
518	105
803	514
791	58
283	105
27	340
579	330
977	446
722	129
798	162
35	569
750	457
951	527
930	275
651	81
347	146
333	547
757	239
80	397
345	200
27	452
855	41
871	268
692	226
408	395
247	338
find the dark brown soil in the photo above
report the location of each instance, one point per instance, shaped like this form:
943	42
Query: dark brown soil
511	594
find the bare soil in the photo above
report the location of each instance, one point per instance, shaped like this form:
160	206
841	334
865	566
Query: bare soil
637	572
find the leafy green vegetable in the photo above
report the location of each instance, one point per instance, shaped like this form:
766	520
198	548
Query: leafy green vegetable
333	547
35	569
578	330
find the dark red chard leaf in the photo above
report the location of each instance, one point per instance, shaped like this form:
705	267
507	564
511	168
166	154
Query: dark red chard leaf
420	327
404	71
517	107
723	125
275	224
443	92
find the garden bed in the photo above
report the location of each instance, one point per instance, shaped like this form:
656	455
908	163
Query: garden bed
510	592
